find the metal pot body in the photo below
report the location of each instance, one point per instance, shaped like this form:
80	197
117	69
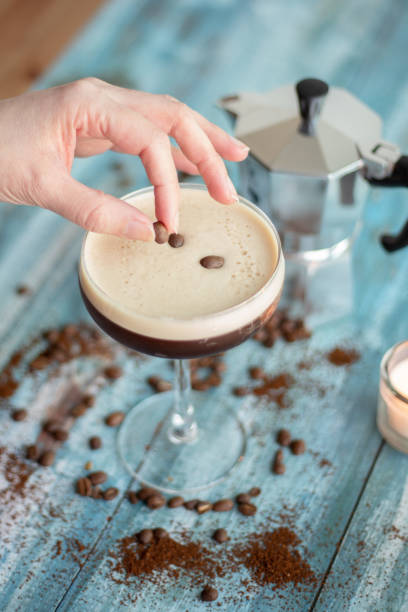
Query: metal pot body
316	218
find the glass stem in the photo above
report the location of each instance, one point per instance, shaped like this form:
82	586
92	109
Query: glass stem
183	427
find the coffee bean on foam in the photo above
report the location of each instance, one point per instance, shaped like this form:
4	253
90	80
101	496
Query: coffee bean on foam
176	240
212	262
161	233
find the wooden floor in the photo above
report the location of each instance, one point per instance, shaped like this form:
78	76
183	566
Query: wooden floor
33	33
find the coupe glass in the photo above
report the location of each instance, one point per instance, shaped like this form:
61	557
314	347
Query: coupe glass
183	440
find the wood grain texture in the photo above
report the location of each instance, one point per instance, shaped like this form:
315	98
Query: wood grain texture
198	52
32	34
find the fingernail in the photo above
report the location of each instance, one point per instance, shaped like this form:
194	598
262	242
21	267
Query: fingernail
136	230
240	144
232	190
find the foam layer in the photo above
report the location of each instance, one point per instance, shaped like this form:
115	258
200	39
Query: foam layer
163	292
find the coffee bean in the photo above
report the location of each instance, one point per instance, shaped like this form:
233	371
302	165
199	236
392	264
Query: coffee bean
278	467
161	233
175	502
110	493
47	458
145	536
247	509
96	493
220	535
19	415
132	497
256	373
298	447
220	367
203	506
254	492
155	501
145	492
32	452
50	426
88	400
200	385
84	486
39	363
214	380
241	391
79	410
211	262
23	290
243	498
160	533
209	594
113	372
283	437
60	434
163	385
223	505
95	442
279	456
115	418
88	465
191	504
176	240
98	477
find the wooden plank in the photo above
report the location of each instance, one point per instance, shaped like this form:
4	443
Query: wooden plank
191	58
32	34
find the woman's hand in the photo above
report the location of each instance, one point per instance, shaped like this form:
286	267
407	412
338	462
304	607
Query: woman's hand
41	132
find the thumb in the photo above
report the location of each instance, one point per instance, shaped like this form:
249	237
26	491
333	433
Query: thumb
97	211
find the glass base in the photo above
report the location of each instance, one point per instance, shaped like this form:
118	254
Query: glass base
391	436
156	458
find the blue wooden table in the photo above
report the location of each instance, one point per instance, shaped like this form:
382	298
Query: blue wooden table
348	495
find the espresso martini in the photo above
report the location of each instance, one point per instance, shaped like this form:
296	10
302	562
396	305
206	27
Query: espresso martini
163	301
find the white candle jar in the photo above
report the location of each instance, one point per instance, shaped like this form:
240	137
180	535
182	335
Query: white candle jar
392	413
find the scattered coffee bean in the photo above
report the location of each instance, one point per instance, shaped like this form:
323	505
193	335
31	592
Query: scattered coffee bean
98	477
254	492
283	438
163	385
278	467
200	385
110	493
113	372
50	426
213	379
220	367
256	373
241	391
220	535
211	262
209	594
298	447
155	501
160	533
88	400
47	458
175	502
95	442
88	465
84	487
79	410
279	456
247	509
223	505
203	506
145	492
115	418
145	536
243	498
161	233
60	434
132	497
23	290
191	504
176	240
32	452
96	492
19	415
